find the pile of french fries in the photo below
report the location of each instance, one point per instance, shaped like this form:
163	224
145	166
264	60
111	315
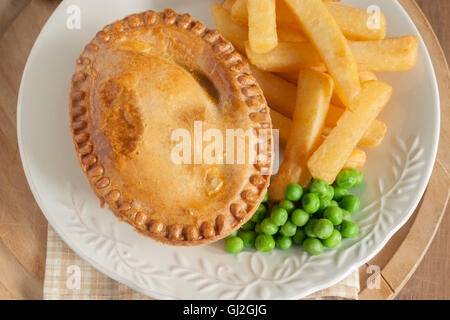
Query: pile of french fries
315	62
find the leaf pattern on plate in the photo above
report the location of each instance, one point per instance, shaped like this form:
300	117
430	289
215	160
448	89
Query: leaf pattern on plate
252	276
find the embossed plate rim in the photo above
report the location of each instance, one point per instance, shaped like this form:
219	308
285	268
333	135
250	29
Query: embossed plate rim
426	173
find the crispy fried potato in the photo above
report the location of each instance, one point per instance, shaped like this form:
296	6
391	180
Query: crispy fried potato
290	35
282	124
388	55
320	27
280	94
234	33
367	76
329	159
372	137
354	22
228	4
262	28
313	99
293	75
363	77
356	160
286	57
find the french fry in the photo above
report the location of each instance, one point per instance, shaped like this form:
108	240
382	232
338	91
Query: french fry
290	35
363	77
262	28
282	124
388	55
280	94
313	99
228	4
352	21
286	57
367	76
234	33
320	27
372	137
292	77
358	24
356	160
328	160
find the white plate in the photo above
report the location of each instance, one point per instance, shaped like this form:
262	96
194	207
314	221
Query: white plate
396	174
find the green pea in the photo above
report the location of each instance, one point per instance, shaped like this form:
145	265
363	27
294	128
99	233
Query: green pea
346	215
359	178
334	240
334	214
287	204
234	245
313	246
249	238
266	197
250	225
349	178
349	229
339	193
334	203
323	228
350	203
279	216
264	243
293	192
283	242
309	228
310	202
320	187
288	229
268	227
233	234
324	203
299	217
259	214
299	236
330	194
258	228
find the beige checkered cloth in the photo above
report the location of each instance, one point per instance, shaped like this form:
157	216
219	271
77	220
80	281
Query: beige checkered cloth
95	285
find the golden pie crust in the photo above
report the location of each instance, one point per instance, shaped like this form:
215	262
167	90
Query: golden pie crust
135	82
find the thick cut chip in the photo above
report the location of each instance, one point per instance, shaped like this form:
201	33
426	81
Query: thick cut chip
329	159
356	24
388	55
262	28
234	33
320	27
373	136
280	94
228	4
356	160
313	99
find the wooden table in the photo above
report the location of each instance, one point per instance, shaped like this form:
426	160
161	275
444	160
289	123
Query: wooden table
23	228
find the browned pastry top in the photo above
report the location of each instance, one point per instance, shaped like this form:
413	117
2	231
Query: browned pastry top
137	82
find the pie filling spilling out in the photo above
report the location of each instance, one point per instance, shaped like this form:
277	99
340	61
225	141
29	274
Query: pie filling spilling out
139	81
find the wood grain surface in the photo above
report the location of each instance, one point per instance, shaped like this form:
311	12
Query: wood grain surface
23	227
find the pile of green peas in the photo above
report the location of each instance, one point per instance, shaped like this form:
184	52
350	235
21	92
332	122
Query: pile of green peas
317	217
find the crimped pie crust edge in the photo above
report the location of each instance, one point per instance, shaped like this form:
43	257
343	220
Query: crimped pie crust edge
242	208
